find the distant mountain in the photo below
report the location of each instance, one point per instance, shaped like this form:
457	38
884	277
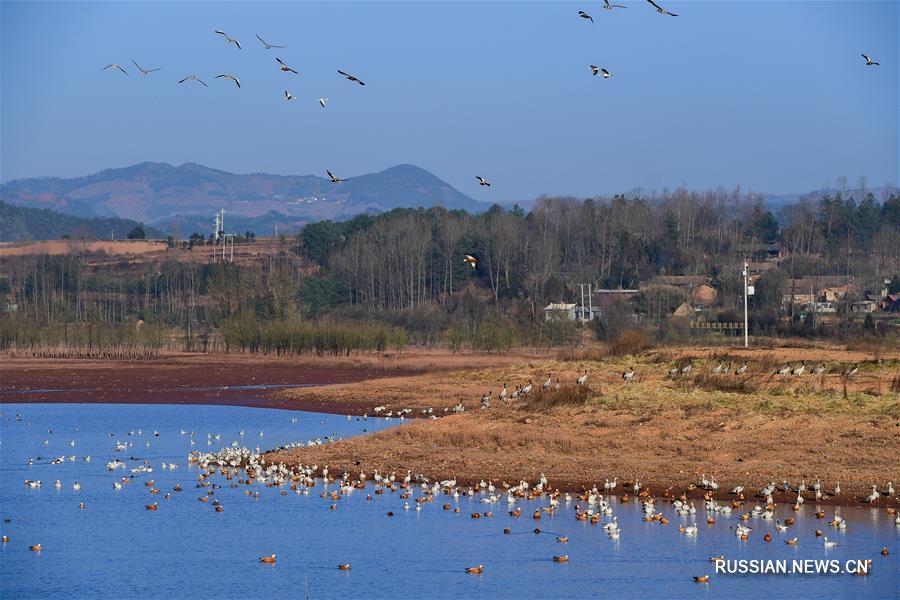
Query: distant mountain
19	223
775	202
190	194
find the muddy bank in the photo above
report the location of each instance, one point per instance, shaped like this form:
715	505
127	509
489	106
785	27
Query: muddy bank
232	380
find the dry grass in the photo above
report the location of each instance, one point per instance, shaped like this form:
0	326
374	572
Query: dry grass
895	384
628	343
595	353
567	396
725	383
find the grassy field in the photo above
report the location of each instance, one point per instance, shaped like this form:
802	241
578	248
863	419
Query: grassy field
666	432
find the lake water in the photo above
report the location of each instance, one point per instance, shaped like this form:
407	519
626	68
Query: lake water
114	547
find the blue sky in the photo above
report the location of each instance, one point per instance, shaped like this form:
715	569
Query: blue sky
771	96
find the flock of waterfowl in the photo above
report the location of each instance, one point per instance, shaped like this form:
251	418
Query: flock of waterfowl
679	371
240	468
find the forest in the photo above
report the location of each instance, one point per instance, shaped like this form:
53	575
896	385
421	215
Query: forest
384	281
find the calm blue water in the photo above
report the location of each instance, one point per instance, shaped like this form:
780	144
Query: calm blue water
116	548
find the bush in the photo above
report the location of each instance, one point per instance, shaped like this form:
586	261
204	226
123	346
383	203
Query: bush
137	233
628	342
568	395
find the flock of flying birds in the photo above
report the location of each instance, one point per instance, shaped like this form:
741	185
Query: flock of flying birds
288	96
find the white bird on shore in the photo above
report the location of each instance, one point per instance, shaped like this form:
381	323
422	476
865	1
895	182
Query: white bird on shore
628	376
548	383
115	66
231	77
800	370
873	496
583	379
503	394
228	39
527	389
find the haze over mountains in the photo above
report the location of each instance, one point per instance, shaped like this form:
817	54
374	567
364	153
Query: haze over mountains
188	195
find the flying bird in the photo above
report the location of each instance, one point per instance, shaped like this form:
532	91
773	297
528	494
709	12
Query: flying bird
482	181
266	44
584	15
114	66
289	96
144	71
869	61
333	177
609	6
322	101
471	260
599	70
660	9
231	77
195	78
228	39
351	77
284	67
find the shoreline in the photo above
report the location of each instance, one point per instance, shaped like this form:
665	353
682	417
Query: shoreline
666	433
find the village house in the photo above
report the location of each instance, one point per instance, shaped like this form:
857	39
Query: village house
823	288
560	311
863	306
563	311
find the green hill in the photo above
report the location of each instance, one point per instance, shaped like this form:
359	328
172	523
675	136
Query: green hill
20	223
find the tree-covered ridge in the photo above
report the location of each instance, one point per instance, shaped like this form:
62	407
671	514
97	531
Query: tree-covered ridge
402	274
408	258
20	223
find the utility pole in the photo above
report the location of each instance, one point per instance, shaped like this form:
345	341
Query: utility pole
590	306
746	293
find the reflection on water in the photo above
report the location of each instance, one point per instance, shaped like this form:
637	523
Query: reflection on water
114	547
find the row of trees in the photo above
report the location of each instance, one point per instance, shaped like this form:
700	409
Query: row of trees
372	277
